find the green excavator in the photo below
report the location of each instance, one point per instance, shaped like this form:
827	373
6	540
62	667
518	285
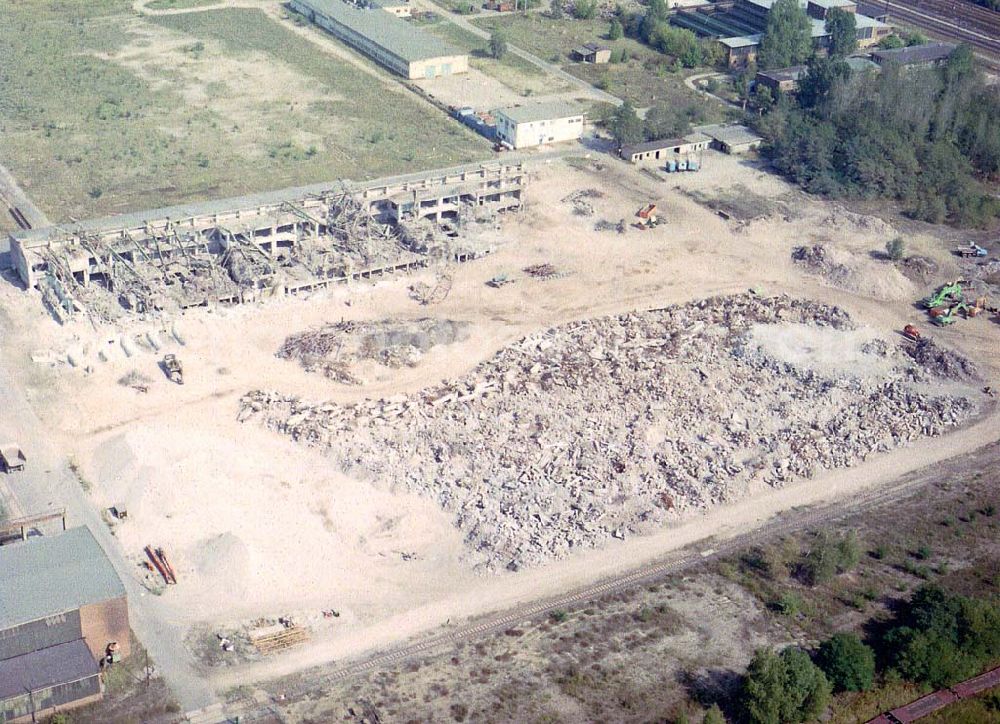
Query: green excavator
948	293
949	317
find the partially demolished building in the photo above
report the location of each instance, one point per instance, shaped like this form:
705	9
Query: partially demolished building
246	248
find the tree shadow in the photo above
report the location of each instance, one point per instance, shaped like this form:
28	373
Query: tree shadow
709	686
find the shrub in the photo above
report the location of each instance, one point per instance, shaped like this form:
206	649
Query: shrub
847	662
788	604
785	687
615	30
714	716
896	248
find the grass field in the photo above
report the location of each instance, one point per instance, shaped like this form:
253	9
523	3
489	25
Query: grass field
644	79
511	70
103	112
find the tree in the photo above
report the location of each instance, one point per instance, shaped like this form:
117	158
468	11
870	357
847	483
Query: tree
714	716
556	10
896	248
891	42
916	38
816	86
625	125
788	36
843	30
615	30
498	44
584	9
829	556
940	639
784	688
847	662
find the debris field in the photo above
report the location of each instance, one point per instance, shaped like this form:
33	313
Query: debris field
614	426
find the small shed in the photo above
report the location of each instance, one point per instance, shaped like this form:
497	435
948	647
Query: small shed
734	138
782	80
11	457
592	53
655	152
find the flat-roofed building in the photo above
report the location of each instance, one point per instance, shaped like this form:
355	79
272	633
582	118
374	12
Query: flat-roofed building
61	606
386	39
592	53
782	80
916	56
734	138
538	124
657	152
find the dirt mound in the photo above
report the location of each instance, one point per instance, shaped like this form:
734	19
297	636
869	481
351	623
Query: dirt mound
854	273
941	362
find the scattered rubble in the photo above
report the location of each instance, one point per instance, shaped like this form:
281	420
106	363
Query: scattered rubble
940	362
858	275
582	207
611	427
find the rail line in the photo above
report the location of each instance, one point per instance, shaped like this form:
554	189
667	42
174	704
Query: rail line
943	19
784	523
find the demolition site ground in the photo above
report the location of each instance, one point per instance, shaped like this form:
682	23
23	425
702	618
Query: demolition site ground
375	460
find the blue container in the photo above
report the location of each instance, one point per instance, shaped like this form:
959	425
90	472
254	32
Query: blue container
682	165
692	165
671	166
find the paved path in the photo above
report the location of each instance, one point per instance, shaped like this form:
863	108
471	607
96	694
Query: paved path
692	82
47	484
550	68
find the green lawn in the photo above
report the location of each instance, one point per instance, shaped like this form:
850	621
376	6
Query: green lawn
644	79
552	40
104	112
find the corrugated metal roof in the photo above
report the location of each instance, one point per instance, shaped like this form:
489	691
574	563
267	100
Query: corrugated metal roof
384	29
927	53
792	72
742	41
732	135
49	575
541	112
47	667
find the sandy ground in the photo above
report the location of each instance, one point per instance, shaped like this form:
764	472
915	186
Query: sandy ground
259	526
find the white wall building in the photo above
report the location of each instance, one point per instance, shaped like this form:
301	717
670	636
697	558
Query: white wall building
535	125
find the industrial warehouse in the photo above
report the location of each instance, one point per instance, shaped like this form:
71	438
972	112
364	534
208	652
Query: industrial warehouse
380	34
63	615
740	28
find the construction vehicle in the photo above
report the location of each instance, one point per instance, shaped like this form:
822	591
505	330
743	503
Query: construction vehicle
174	369
12	458
947	293
972	250
911	333
943	316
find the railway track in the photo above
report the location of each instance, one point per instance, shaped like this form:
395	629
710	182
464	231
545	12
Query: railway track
785	523
956	21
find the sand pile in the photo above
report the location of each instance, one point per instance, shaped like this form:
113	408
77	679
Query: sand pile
854	273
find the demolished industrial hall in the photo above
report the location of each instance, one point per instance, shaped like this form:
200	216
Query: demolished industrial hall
254	247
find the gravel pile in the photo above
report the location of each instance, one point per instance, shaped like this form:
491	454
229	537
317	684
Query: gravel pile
613	426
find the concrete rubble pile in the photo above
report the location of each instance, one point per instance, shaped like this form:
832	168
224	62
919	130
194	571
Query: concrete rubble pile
330	349
613	426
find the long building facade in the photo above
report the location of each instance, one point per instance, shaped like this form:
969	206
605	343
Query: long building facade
385	38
